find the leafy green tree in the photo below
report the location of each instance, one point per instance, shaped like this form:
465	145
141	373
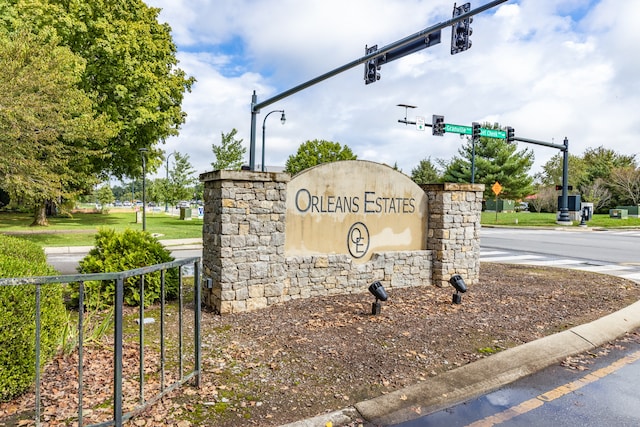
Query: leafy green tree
495	160
181	180
551	174
315	152
593	174
229	153
425	173
600	162
45	122
130	71
104	196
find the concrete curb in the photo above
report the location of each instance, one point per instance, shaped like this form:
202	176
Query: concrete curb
484	375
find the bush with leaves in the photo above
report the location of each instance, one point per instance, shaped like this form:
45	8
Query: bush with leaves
122	251
20	258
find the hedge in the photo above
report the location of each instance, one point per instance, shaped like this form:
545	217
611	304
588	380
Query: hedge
19	258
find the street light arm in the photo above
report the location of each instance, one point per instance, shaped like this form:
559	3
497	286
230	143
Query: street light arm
264	122
268	114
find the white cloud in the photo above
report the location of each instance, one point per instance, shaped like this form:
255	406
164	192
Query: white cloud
549	70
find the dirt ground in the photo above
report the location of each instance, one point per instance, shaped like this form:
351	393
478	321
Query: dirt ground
307	357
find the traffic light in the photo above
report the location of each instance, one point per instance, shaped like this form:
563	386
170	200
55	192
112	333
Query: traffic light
371	67
511	135
461	30
475	130
559	187
437	125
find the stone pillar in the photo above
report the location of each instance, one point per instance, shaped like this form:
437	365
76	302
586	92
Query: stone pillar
243	239
453	233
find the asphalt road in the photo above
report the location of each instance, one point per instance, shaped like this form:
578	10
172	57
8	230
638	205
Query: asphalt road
612	246
67	263
600	389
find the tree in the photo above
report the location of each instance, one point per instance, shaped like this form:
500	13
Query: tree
229	153
544	200
425	172
600	162
495	160
585	171
45	122
315	152
181	179
627	180
130	71
596	193
551	174
104	196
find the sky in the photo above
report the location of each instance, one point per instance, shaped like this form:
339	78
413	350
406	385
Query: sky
550	69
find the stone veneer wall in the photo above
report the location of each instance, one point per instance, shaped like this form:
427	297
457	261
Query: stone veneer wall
454	231
244	236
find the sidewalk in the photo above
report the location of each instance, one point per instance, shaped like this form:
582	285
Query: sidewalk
194	243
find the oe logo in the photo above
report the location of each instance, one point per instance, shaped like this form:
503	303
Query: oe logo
358	240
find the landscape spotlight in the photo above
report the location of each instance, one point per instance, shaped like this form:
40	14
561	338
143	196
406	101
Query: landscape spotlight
377	290
457	282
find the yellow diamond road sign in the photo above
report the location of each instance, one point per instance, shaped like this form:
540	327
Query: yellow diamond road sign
497	188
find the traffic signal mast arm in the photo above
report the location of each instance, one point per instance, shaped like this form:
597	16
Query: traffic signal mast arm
546	144
421	35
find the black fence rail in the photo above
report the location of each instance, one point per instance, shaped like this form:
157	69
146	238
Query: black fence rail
191	266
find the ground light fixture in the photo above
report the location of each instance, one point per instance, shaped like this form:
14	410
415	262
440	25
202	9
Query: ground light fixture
377	290
457	282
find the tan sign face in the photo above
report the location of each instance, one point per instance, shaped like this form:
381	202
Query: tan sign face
354	207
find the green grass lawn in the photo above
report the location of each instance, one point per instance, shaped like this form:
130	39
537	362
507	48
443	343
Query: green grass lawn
80	230
534	219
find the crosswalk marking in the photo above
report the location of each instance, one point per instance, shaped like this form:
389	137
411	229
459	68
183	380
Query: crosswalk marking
603	268
624	271
512	258
633	276
557	262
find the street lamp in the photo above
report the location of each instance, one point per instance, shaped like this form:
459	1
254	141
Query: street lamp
166	202
283	119
143	152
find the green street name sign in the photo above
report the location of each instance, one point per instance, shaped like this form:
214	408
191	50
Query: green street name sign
493	133
467	130
463	130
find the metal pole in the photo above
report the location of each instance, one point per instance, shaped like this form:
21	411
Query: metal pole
473	160
144	195
252	140
166	202
564	198
117	354
198	315
255	106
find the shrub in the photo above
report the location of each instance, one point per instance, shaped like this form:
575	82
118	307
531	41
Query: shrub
121	251
19	258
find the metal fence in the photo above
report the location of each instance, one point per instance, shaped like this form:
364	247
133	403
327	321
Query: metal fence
119	415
